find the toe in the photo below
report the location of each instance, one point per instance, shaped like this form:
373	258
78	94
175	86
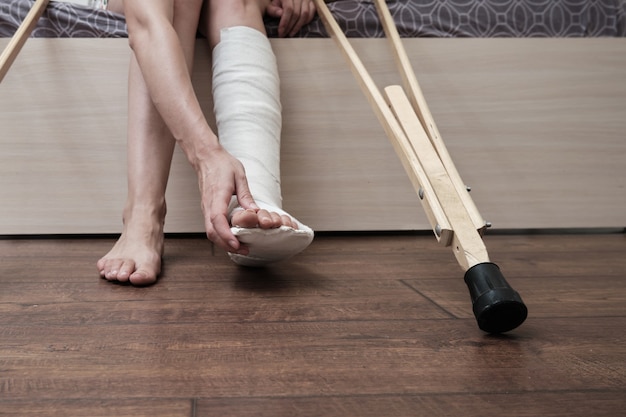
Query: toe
288	221
142	277
126	268
269	220
100	265
245	218
264	219
111	269
277	220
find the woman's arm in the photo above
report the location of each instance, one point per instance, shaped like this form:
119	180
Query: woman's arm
165	65
166	71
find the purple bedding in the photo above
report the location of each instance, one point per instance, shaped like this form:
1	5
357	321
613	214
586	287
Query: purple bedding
358	18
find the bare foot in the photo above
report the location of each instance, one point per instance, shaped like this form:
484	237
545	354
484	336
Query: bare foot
262	218
136	256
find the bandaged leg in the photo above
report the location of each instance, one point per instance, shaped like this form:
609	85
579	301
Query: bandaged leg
246	93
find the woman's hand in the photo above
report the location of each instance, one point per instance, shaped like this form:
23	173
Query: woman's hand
220	176
293	15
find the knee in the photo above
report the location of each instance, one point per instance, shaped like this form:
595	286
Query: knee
187	4
237	8
219	14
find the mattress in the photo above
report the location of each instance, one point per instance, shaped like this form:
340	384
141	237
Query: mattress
358	18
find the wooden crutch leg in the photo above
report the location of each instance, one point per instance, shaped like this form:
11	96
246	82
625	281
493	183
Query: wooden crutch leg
21	35
497	307
416	97
402	146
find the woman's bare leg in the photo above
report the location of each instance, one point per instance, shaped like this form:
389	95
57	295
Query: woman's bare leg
136	257
116	6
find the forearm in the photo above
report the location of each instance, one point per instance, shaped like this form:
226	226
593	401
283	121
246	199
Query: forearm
165	65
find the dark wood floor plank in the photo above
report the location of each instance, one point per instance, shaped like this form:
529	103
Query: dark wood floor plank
378	256
153	407
233	295
557	276
547	256
300	359
264	283
554	404
599	296
354	326
401	257
234	308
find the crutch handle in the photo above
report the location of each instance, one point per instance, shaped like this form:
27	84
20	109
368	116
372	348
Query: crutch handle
497	307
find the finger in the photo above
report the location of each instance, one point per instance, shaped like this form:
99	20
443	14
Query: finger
217	225
220	234
244	196
288	19
307	12
312	9
274	11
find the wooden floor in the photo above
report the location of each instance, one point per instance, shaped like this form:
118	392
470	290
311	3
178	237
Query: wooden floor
365	325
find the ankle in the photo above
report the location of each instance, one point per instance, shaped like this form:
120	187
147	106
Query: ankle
150	214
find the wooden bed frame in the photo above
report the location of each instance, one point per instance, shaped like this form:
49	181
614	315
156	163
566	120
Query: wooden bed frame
535	127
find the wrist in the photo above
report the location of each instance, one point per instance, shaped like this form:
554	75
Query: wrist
198	148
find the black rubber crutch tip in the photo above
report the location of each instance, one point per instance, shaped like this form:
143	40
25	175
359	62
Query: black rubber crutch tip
498	308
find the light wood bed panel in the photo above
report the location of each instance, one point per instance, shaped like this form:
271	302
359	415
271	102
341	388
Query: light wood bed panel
535	126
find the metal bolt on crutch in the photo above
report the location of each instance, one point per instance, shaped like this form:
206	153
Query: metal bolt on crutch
451	212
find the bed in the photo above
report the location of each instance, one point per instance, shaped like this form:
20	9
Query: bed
529	96
445	18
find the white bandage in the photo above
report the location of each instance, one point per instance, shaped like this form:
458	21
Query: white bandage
246	96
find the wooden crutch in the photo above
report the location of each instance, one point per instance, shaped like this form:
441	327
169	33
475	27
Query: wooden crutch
21	35
450	210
